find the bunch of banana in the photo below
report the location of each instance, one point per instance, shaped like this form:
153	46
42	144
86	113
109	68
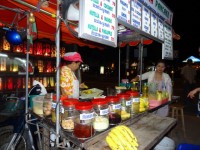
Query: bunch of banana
121	138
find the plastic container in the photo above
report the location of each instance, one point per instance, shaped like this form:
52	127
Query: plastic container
83	127
135	98
114	110
38	105
67	117
48	98
126	103
101	121
54	105
184	146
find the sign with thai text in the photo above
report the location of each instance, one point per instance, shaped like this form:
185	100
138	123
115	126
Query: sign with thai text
98	21
146	19
136	14
167	48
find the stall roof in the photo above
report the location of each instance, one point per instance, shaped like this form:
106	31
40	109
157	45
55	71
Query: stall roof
13	11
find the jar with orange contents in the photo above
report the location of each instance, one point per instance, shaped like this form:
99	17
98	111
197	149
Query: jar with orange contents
68	115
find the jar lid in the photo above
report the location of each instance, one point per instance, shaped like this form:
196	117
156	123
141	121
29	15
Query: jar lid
112	98
70	102
62	97
125	96
83	105
133	93
99	101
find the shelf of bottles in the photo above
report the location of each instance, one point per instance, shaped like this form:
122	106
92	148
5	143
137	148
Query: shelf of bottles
39	52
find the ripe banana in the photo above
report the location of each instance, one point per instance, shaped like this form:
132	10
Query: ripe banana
128	130
122	138
111	143
127	137
117	140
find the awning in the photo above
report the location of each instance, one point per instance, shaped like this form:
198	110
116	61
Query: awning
46	22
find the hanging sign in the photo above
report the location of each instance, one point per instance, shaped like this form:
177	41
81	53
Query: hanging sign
167	48
146	20
154	25
98	22
123	10
160	29
136	14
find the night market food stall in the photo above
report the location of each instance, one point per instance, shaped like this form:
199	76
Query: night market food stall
112	23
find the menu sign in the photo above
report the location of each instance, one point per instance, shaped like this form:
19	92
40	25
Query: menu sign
167	49
98	21
136	14
123	10
154	25
145	19
160	29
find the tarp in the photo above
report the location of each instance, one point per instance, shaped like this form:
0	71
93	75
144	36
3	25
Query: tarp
194	59
46	24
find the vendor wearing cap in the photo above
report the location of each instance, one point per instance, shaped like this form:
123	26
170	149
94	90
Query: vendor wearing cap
68	81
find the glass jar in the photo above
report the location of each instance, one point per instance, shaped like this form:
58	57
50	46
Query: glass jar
114	110
47	103
68	115
126	106
83	127
54	105
101	121
135	98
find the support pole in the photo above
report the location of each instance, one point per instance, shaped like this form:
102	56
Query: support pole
141	63
27	67
119	66
57	72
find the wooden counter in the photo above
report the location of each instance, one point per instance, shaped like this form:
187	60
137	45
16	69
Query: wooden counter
147	127
149	130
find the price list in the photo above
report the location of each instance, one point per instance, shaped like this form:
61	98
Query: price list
154	25
146	20
123	10
136	14
98	21
167	50
160	29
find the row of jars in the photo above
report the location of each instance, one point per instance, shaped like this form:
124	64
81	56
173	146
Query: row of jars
86	118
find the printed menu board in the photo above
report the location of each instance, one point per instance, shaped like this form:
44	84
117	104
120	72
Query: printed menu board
123	10
98	21
146	20
136	14
154	25
167	49
160	29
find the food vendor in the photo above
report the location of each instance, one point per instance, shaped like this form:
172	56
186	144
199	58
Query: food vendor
68	80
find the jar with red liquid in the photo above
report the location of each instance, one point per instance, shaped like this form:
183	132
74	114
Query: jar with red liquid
114	110
83	127
126	106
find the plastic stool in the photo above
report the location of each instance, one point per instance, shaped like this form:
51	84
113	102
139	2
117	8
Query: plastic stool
184	146
176	109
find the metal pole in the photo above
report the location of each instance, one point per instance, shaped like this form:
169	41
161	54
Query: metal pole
57	71
141	61
119	65
27	66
